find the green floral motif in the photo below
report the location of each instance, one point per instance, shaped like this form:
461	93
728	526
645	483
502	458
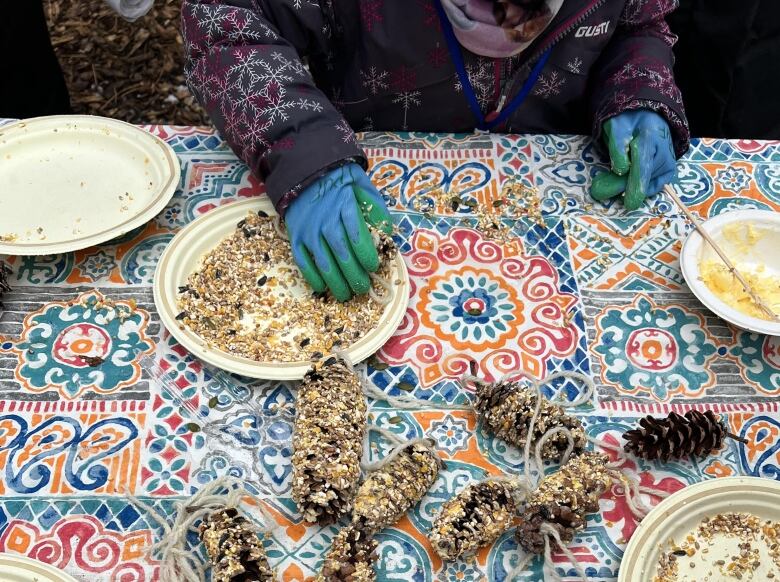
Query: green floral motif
663	352
86	344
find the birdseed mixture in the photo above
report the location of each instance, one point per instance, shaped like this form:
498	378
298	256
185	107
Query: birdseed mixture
234	548
505	409
249	299
724	548
563	500
474	518
330	423
494	221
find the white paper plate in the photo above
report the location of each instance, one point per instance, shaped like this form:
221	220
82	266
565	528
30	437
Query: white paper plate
765	252
183	256
72	181
683	511
15	568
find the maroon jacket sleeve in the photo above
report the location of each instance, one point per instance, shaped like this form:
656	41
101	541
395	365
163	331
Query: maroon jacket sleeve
243	63
635	71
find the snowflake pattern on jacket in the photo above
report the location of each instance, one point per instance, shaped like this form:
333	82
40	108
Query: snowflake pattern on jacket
384	65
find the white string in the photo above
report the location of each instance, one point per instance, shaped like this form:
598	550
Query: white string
177	562
631	494
386	285
395	451
549	435
605	445
407	402
549	530
276	221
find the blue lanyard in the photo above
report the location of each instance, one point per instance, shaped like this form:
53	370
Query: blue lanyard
457	57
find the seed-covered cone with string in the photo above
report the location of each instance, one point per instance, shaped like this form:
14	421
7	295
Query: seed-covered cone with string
515	410
475	517
393	488
562	501
234	548
351	557
330	423
397	482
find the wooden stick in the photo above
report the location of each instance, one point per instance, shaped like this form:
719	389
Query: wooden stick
731	435
695	221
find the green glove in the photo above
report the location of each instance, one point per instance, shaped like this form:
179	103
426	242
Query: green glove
642	155
327	225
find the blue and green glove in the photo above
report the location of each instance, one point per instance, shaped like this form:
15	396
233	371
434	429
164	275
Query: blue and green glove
642	154
328	228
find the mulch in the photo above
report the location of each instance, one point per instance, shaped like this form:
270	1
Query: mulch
128	71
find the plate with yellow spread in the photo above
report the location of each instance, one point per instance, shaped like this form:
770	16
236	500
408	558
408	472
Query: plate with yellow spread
751	239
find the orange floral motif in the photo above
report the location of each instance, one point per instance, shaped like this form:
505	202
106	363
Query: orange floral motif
761	435
477	301
718	469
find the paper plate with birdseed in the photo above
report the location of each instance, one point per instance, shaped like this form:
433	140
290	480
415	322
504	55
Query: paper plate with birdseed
228	290
715	531
68	182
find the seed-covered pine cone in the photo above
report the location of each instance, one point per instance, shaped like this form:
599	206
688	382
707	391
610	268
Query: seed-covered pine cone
351	557
330	423
695	434
475	517
4	286
387	493
563	500
234	548
506	409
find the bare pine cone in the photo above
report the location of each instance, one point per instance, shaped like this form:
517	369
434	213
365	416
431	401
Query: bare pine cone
330	423
234	548
387	493
506	409
696	434
351	557
563	500
475	517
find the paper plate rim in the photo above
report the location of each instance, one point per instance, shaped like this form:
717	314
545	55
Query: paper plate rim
165	292
689	264
139	218
25	563
639	549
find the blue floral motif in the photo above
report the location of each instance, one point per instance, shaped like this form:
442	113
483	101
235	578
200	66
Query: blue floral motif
165	470
451	434
163	436
220	464
97	265
81	346
660	351
461	571
472	307
139	264
733	179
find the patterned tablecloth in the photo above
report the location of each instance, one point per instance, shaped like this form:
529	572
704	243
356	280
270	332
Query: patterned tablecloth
593	289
